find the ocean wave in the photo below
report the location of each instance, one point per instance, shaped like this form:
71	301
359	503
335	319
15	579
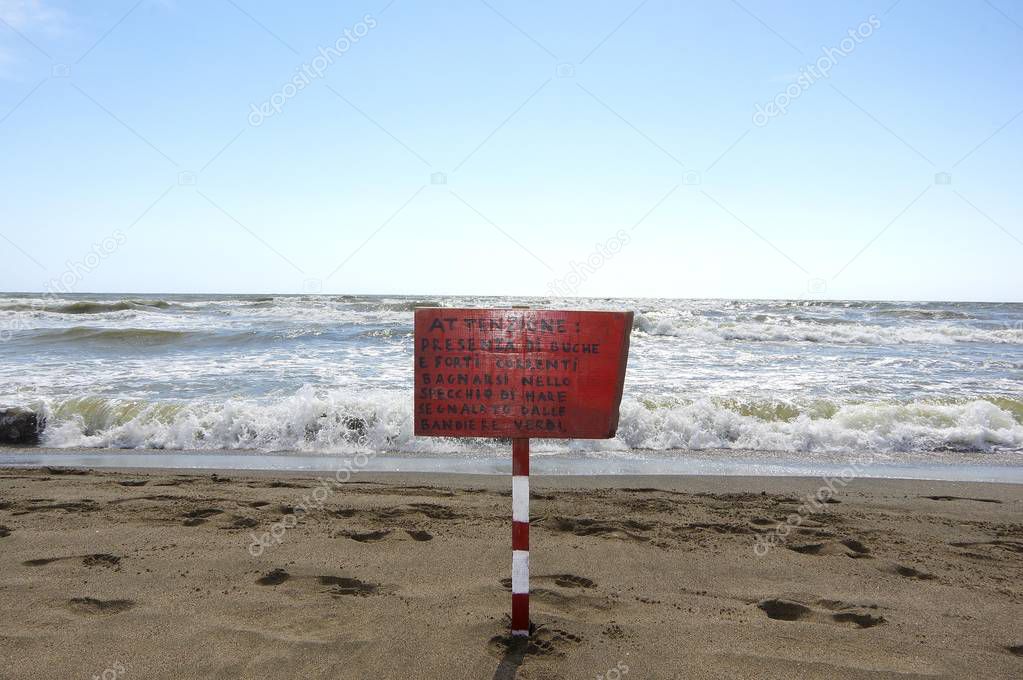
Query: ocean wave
823	320
830	304
305	421
976	425
103	337
386	333
336	422
404	306
154	337
800	330
86	307
913	313
112	336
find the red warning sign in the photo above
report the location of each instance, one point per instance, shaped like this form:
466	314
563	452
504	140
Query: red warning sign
519	372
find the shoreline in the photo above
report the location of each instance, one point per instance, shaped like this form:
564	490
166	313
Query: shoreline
1000	467
802	486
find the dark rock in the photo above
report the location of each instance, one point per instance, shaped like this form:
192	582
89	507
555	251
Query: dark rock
19	426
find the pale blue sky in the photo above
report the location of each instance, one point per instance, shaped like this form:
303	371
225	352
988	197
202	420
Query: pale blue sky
555	124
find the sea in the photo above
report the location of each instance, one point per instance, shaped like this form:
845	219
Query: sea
330	375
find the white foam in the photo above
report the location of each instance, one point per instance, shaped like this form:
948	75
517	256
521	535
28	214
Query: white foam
790	330
381	421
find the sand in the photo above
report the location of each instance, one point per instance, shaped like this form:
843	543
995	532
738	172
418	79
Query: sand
131	574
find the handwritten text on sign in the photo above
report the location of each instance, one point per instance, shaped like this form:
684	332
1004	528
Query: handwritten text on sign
519	372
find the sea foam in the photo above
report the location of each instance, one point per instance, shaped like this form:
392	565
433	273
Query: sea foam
381	421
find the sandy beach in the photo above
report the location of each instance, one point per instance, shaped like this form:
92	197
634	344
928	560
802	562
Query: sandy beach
511	340
163	574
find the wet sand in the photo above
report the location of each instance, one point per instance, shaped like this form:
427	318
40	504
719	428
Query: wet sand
163	574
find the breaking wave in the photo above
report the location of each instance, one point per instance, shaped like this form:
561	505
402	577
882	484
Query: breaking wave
911	313
87	307
110	336
336	422
829	331
148	338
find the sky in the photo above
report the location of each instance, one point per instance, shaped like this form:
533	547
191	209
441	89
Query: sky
752	149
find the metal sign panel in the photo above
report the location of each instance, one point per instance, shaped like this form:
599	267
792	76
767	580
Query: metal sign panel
519	372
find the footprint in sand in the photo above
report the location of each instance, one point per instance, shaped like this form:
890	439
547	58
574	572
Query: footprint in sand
4	532
341	586
90	606
584	526
434	510
134	482
567	593
40	505
367	536
613	632
541	642
570	581
961	498
381	534
908	572
242	523
41	561
101	560
197	517
849	547
96	560
273	578
831	611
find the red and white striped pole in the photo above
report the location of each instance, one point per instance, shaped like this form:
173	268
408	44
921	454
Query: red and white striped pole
520	537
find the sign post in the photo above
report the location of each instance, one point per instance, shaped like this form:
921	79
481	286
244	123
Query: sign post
520	537
519	374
